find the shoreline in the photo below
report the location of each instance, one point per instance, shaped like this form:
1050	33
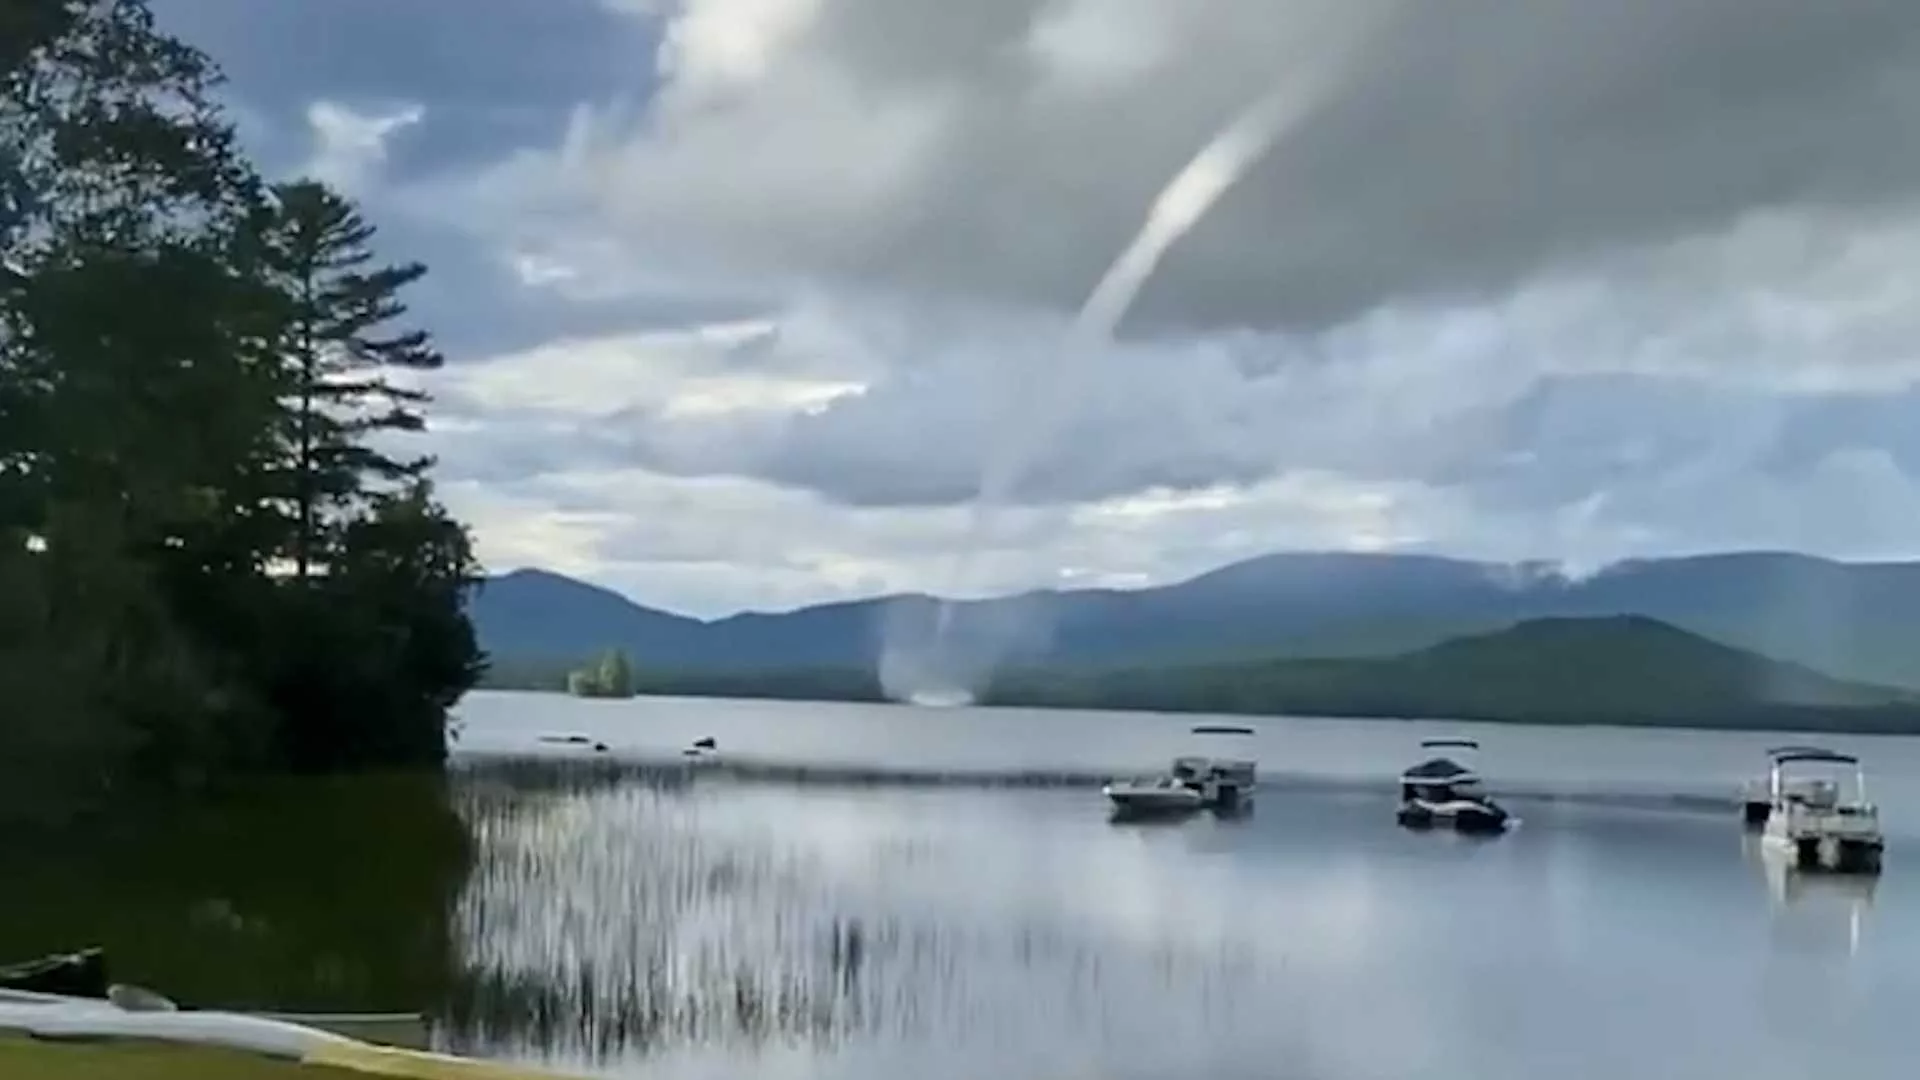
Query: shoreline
1781	722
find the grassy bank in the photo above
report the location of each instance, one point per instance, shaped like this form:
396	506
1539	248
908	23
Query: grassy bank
20	1057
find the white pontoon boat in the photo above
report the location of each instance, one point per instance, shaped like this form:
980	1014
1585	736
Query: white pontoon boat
1812	819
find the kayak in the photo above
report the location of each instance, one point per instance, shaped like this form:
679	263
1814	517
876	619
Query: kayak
48	1017
80	974
84	975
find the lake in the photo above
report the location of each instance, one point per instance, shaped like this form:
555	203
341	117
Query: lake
928	896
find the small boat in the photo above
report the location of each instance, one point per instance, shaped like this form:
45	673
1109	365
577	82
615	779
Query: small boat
83	976
594	745
1756	797
1814	822
1212	781
1153	796
80	974
1442	793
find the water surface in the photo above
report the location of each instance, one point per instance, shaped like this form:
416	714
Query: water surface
673	923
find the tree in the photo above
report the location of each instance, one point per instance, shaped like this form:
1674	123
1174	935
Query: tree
341	357
112	133
383	646
119	313
194	385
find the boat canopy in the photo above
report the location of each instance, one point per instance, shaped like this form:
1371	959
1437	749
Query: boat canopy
1791	751
1441	744
1813	753
1437	771
1221	729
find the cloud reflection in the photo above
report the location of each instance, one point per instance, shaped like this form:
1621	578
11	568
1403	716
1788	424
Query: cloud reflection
622	924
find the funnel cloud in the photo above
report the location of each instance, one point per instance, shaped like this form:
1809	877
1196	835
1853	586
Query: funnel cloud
1558	280
943	668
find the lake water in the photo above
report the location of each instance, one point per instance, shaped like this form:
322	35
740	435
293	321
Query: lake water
634	921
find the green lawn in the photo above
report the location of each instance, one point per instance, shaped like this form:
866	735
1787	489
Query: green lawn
31	1059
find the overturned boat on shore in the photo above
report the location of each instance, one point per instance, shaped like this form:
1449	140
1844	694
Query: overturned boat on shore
81	974
83	977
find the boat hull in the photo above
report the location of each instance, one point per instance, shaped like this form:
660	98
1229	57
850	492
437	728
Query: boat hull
80	974
1464	816
1139	804
1832	854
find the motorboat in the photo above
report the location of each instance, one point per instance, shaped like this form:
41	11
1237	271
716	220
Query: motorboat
1756	796
1220	780
1440	792
1815	822
1153	796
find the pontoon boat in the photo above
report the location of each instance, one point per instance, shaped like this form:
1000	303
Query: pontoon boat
1442	793
1756	797
1814	821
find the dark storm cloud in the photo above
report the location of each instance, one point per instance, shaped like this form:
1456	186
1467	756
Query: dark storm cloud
1461	147
1484	141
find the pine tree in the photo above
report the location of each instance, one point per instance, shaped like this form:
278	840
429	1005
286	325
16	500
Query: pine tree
198	379
341	359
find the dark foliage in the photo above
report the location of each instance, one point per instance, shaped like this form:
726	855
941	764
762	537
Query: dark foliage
210	562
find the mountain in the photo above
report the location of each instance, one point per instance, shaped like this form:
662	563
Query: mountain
1855	620
1611	669
534	613
1621	669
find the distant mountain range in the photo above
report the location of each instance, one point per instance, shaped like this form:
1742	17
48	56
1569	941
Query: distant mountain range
1620	669
1858	621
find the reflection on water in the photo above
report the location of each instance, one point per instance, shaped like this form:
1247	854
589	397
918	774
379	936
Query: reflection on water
618	922
705	926
679	924
310	894
1813	909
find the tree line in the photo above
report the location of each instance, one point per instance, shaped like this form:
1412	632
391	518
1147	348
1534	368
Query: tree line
216	556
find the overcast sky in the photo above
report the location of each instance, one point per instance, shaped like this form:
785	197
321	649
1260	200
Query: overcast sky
742	295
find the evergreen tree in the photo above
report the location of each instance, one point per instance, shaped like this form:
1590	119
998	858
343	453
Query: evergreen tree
194	386
119	314
342	356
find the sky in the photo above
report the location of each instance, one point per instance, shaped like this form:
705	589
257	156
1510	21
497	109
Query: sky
742	296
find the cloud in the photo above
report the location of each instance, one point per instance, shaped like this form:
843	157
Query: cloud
351	146
1599	378
744	295
829	449
1006	149
717	545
